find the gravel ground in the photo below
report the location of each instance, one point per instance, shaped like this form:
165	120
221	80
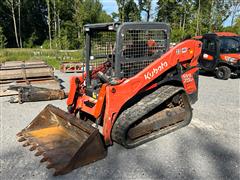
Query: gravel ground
206	149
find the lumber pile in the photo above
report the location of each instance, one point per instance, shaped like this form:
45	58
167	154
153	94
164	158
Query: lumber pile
36	73
23	70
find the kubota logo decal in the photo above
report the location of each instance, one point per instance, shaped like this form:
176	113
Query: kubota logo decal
150	75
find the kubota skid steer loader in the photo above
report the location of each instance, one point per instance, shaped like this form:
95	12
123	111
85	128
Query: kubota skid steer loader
134	89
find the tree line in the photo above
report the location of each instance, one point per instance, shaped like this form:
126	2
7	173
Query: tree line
58	24
48	23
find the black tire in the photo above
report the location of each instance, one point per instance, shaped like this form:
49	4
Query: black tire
223	72
235	76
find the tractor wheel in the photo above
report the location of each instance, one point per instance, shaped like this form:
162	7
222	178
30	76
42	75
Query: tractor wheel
223	72
235	76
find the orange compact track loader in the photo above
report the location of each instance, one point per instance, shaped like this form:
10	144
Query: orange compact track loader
134	89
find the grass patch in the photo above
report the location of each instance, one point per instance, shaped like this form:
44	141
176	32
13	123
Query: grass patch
51	57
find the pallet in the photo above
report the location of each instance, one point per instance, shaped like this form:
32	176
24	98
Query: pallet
16	70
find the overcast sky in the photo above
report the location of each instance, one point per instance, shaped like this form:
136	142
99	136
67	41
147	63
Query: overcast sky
111	6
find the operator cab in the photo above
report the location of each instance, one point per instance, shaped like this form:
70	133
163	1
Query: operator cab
121	50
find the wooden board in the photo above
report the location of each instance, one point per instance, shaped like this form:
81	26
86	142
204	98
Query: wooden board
18	63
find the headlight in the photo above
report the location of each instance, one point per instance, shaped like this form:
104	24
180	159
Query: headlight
230	59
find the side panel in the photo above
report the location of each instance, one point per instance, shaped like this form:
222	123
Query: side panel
190	83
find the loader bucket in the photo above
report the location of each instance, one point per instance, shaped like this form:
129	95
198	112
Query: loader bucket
63	140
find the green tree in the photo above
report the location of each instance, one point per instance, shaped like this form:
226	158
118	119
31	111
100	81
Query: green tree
31	41
235	5
2	38
195	17
235	28
121	9
104	17
237	25
176	13
33	20
145	6
49	20
32	23
220	10
128	11
12	4
88	11
166	10
131	12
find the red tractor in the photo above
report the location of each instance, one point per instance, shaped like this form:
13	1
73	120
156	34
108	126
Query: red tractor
137	91
220	54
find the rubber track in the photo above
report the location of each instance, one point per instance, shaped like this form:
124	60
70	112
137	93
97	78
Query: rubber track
138	110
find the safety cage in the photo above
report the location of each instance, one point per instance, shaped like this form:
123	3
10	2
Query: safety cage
129	47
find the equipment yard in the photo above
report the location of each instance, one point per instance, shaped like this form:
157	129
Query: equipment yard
208	148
